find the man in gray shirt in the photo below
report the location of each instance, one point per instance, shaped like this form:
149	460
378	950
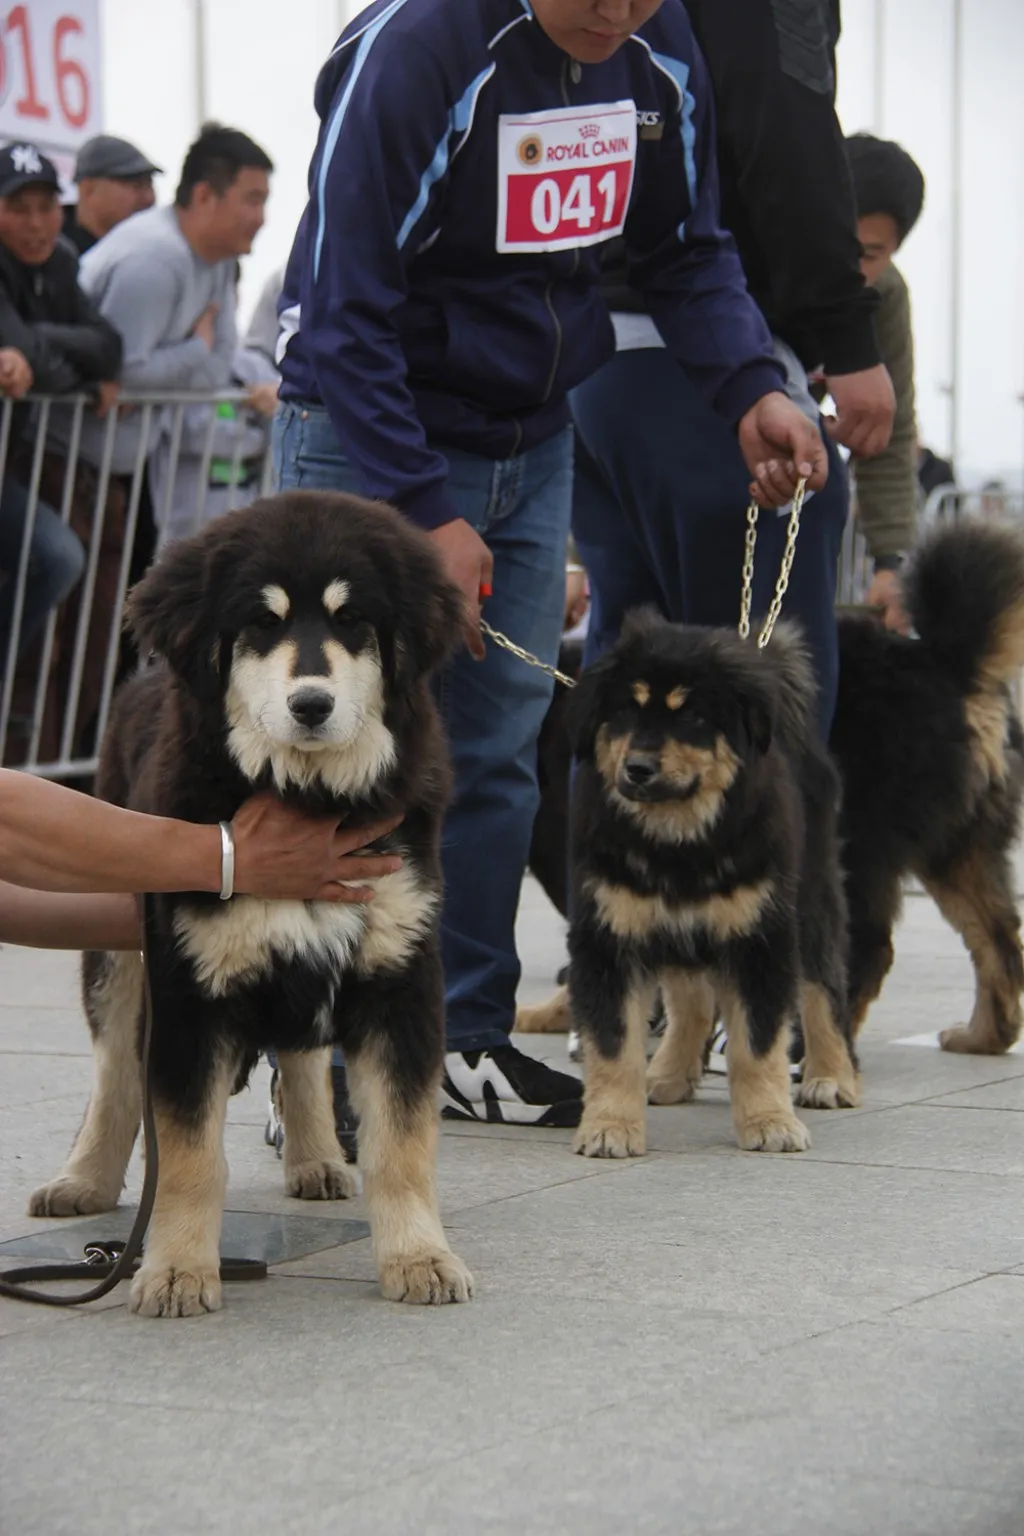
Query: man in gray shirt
166	278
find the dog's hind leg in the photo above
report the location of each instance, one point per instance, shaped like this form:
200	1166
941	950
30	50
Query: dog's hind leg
874	898
975	895
93	1176
551	1018
180	1273
677	1066
314	1164
393	1056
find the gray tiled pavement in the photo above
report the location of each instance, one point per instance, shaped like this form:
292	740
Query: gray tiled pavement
706	1342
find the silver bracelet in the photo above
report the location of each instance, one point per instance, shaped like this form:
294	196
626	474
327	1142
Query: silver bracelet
227	861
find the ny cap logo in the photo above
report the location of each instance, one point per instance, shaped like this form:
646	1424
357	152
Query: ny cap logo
26	159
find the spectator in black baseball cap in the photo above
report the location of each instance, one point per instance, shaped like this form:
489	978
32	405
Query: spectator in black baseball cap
114	181
53	340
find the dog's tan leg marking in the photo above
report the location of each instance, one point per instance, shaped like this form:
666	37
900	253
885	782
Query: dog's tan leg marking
551	1018
762	1108
615	1098
180	1274
314	1164
976	899
830	1078
398	1162
93	1176
677	1066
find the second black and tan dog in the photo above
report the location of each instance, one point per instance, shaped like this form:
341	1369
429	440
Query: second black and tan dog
706	864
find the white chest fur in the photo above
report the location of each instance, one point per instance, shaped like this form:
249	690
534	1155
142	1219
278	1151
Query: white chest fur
240	940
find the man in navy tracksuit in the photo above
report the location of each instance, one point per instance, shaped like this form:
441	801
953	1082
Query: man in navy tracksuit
440	302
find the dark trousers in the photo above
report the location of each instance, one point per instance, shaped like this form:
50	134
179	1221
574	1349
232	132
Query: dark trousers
659	514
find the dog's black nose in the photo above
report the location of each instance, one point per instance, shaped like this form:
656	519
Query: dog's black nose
310	706
641	769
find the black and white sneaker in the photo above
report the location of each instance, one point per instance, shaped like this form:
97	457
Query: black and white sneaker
345	1121
273	1131
506	1086
715	1062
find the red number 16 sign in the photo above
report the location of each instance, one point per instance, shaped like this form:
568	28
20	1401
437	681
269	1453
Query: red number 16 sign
50	72
565	176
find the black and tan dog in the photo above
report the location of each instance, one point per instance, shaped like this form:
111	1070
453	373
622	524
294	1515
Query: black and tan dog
931	756
297	638
706	864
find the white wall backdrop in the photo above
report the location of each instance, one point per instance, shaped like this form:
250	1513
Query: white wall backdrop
900	74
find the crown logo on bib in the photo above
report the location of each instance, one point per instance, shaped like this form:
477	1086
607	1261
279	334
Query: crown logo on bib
590	130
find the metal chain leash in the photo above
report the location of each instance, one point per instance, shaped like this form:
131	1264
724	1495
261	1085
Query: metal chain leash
527	656
782	585
746	595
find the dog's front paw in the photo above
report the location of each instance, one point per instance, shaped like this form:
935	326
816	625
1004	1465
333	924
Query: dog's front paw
773	1133
599	1136
428	1280
69	1196
671	1087
828	1093
321	1181
167	1291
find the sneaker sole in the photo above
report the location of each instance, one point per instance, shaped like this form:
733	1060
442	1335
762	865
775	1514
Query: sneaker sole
511	1112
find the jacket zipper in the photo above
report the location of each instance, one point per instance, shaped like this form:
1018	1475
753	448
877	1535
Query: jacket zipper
559	338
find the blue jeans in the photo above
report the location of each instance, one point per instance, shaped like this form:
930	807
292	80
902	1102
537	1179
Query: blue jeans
492	710
55	564
659	514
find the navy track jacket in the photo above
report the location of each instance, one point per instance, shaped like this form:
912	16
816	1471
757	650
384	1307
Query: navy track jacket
443	286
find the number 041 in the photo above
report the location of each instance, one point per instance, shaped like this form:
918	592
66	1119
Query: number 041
548	210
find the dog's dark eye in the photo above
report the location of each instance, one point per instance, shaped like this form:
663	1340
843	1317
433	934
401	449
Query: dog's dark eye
267	619
347	618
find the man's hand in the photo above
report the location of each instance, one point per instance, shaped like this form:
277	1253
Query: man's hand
263	398
470	565
108	391
577	598
283	855
781	446
16	376
866	408
886	594
204	326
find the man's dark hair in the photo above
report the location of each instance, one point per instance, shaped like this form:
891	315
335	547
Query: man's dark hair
885	180
216	157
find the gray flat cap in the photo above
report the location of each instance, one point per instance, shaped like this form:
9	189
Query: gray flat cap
114	158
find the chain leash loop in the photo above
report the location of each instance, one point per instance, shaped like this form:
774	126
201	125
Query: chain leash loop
746	591
782	585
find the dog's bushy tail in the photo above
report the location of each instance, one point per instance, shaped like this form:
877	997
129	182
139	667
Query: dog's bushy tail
964	593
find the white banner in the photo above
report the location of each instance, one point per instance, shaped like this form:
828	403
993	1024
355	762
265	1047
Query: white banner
50	76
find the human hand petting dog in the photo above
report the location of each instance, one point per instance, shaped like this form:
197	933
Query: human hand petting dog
781	446
470	565
283	854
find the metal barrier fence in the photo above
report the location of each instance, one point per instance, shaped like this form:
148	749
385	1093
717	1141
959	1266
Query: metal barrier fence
156	466
173	460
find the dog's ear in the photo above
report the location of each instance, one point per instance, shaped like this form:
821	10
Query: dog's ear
584	713
429	622
757	711
174	610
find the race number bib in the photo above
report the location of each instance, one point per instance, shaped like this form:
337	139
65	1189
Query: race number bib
565	176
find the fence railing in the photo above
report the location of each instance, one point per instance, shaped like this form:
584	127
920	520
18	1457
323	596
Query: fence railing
155	467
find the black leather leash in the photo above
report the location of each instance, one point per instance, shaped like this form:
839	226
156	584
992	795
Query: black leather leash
113	1262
